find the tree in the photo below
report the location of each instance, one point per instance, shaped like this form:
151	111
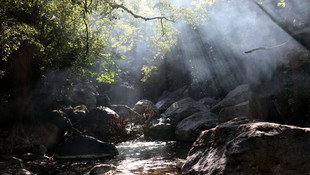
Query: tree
82	36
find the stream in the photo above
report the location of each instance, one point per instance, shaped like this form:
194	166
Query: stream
135	157
143	157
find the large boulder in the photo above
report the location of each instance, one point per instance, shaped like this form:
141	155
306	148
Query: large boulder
234	97
208	101
84	147
104	123
83	93
146	108
231	112
103	100
76	114
241	146
159	129
127	114
168	98
51	128
123	94
190	128
182	109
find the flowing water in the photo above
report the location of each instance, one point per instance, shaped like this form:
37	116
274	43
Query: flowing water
142	157
135	157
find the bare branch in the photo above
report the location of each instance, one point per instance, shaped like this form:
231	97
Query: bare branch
265	48
121	6
302	31
291	33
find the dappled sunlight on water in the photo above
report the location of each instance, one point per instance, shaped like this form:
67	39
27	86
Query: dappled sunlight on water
142	157
137	157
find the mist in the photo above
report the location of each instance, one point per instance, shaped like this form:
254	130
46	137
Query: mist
214	52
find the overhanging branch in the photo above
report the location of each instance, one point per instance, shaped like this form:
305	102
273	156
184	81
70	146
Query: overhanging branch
292	34
121	6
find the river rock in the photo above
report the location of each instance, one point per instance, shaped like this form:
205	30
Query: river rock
182	109
84	147
126	113
168	98
242	146
239	110
146	108
76	114
103	100
159	129
31	157
234	97
190	128
51	128
7	160
23	172
83	93
105	124
208	101
102	169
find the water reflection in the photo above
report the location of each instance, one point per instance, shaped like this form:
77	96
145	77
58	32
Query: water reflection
142	157
135	157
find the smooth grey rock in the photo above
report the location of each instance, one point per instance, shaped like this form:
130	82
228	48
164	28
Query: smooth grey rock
190	128
146	108
182	109
23	172
103	100
126	113
102	169
234	97
159	129
84	147
208	101
105	124
168	98
242	146
239	110
76	114
50	129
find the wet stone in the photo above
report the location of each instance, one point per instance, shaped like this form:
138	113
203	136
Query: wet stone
102	169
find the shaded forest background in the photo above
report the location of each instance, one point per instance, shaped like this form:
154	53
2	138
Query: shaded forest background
145	48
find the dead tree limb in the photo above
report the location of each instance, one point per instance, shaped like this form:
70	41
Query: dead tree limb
265	48
291	33
121	6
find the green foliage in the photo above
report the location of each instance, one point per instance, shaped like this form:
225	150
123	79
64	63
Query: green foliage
88	36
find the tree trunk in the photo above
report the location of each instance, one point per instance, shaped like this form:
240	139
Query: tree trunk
23	83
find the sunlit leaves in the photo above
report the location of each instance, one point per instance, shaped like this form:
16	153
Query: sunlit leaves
58	30
281	3
106	78
147	70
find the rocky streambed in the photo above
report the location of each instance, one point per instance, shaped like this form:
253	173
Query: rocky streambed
135	157
149	141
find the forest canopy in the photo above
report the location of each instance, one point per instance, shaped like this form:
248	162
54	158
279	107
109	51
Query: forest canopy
83	34
90	36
